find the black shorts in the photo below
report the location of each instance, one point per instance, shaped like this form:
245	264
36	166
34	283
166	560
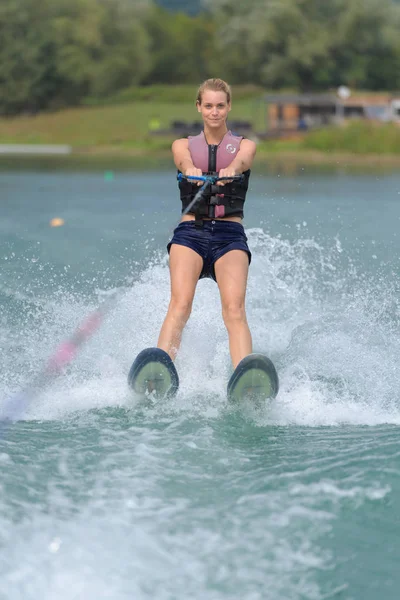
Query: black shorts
212	240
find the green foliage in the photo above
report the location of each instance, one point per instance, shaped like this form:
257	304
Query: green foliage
183	94
367	47
358	137
181	47
27	68
102	46
124	58
75	25
56	53
170	94
309	44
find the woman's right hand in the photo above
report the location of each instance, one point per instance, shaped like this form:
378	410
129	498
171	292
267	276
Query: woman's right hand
193	172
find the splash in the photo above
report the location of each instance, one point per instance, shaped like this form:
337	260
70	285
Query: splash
330	329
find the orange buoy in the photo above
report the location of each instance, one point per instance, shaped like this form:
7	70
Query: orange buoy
56	222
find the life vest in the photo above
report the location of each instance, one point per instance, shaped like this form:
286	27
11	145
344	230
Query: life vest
218	201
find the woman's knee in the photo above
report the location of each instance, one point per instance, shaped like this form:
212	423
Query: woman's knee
234	313
180	308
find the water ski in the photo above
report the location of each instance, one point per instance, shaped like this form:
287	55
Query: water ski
153	372
255	377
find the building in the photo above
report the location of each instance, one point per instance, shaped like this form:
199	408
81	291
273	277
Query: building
296	112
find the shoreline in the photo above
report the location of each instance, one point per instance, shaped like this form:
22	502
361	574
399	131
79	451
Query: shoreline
276	157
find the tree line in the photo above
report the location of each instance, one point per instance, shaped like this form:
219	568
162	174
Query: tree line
57	53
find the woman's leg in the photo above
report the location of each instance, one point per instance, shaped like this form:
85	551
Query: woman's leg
185	267
231	274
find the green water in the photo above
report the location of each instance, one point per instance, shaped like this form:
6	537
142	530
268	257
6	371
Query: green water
104	497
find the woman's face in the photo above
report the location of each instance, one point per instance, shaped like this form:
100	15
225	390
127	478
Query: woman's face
214	108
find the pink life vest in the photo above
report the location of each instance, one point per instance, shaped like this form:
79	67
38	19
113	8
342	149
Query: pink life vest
211	158
218	202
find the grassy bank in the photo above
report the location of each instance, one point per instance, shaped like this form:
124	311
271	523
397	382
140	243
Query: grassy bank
122	123
358	142
122	129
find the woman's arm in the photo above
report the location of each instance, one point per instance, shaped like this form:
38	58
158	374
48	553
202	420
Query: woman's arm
242	161
183	159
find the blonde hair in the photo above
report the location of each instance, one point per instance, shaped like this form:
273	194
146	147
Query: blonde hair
215	85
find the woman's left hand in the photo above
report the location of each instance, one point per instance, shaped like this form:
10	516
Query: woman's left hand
228	172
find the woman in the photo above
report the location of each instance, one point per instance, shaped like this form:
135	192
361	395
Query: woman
210	239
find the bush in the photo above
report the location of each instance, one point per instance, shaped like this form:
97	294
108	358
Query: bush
359	137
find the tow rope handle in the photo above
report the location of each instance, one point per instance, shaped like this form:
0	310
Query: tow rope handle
211	179
208	180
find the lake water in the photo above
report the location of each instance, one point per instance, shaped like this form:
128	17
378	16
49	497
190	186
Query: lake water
104	497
